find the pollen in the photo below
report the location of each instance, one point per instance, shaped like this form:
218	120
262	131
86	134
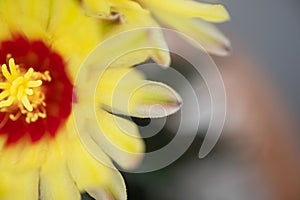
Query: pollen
22	93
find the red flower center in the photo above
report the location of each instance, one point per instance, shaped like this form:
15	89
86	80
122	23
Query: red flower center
35	91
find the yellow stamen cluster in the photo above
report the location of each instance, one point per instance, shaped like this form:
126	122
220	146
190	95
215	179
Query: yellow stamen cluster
21	93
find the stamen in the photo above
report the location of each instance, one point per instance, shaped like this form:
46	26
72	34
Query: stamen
22	93
5	72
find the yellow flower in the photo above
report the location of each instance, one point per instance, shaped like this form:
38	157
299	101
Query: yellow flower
186	16
42	45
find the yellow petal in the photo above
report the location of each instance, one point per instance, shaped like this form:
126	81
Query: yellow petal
92	175
160	52
23	156
119	138
32	17
4	33
55	178
19	185
102	128
115	85
206	35
2	138
139	23
189	9
75	40
38	11
122	48
126	92
131	11
153	99
96	7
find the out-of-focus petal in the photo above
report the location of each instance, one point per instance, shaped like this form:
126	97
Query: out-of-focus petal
140	43
124	146
55	178
22	156
207	36
153	99
120	50
160	53
4	33
19	185
115	86
73	34
140	23
39	11
126	92
2	142
96	7
91	175
188	9
120	139
19	25
131	11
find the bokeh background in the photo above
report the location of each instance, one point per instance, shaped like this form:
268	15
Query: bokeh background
257	156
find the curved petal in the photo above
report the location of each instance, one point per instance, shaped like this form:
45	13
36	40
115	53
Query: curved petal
160	54
123	148
139	44
120	139
154	100
189	9
117	82
19	185
119	49
55	178
209	38
126	92
131	11
140	24
93	175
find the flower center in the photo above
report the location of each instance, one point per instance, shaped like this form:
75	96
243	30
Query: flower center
35	90
22	92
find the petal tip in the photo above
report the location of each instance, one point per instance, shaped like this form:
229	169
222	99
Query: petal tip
155	100
163	59
224	50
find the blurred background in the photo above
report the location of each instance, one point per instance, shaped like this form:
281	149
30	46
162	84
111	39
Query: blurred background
257	156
